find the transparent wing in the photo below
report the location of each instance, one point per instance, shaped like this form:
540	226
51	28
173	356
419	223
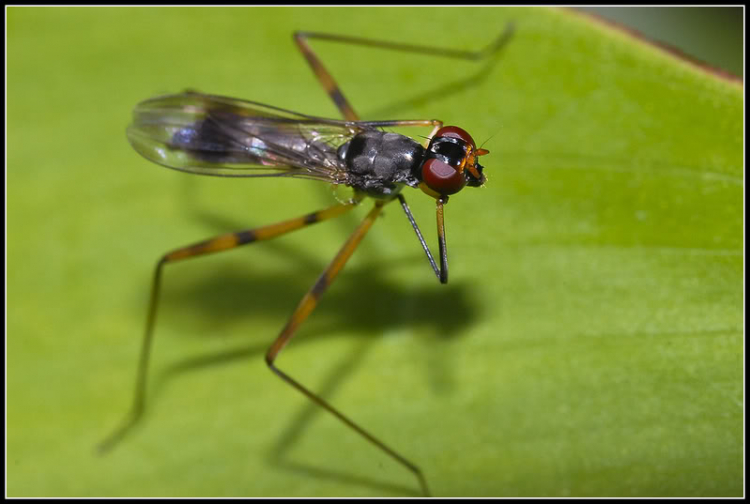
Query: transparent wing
216	135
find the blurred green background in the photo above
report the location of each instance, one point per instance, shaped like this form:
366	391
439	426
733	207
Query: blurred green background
589	341
711	34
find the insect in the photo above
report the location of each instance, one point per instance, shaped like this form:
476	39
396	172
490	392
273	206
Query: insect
216	135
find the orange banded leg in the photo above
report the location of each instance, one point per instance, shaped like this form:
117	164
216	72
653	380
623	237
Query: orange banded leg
303	310
333	90
217	244
325	78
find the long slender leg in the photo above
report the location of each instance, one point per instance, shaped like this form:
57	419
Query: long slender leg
325	78
333	90
217	244
442	272
441	240
419	235
303	310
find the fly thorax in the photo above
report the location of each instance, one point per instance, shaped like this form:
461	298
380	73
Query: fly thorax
377	161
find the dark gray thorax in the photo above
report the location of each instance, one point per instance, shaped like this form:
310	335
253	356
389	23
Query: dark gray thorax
380	163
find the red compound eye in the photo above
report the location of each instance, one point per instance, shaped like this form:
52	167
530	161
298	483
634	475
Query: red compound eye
456	132
442	177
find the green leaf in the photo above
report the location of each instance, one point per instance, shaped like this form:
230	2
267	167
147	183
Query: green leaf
589	341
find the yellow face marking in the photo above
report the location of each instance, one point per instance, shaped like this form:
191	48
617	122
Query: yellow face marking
464	160
473	170
469	161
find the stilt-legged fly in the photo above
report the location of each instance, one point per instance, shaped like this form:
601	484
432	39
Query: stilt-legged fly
215	135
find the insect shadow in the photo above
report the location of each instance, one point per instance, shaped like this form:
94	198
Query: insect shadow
444	91
386	306
236	291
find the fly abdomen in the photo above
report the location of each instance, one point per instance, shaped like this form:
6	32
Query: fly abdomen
205	141
379	163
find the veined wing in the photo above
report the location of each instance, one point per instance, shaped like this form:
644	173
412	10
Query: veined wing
216	135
